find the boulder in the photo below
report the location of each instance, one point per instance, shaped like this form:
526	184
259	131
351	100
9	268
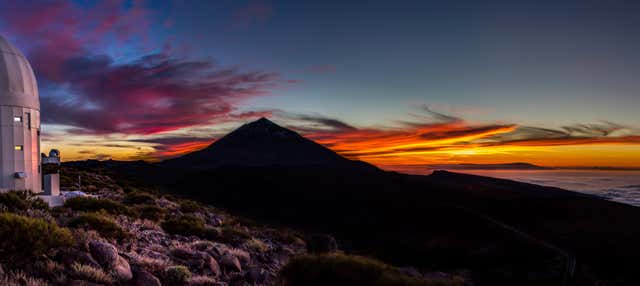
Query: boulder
104	253
243	256
321	243
107	256
230	262
213	265
144	278
256	275
122	270
195	260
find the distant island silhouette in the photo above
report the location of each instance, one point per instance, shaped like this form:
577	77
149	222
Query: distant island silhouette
502	166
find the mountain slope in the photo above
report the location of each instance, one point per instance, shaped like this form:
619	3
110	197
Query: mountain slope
262	143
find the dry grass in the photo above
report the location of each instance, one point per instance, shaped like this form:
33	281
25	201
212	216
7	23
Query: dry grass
19	278
201	280
88	273
257	245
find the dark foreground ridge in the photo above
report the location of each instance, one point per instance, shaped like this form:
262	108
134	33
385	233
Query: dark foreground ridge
496	232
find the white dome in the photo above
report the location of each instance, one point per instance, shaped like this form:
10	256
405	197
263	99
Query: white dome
18	86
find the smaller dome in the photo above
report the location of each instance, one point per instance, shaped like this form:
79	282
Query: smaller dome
18	85
54	153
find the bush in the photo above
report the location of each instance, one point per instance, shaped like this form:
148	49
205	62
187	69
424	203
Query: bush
177	275
93	205
88	273
234	235
149	212
21	201
24	237
341	269
184	225
103	225
187	206
138	197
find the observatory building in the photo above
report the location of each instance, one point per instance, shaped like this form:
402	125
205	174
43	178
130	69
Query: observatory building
19	122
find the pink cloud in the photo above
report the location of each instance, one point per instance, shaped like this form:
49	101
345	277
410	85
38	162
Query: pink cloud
154	93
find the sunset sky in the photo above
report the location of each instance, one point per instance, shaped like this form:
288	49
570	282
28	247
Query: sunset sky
400	84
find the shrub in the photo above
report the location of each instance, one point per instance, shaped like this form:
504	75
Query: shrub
88	273
21	201
24	237
185	225
177	275
49	268
103	225
149	212
138	197
93	205
187	206
257	245
338	269
235	235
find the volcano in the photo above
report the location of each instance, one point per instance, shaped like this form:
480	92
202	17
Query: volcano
263	143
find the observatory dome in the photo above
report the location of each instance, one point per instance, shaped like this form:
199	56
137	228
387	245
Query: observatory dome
18	86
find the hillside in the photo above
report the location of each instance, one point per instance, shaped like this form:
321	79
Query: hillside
498	232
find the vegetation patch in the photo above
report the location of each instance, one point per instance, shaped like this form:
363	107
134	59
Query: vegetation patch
338	269
185	225
21	200
89	204
139	197
177	275
23	238
234	234
100	223
188	206
150	212
88	273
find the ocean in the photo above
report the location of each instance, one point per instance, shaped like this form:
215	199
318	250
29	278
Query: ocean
619	186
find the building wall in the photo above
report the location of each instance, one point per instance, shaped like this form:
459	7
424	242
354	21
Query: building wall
25	133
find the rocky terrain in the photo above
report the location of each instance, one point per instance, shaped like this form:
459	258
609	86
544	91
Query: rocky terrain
125	235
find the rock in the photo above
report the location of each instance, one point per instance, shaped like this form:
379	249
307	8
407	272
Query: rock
321	243
214	267
122	270
107	256
144	278
256	275
243	256
104	253
230	262
82	283
195	260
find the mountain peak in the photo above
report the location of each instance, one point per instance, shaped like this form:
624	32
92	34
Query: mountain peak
262	128
262	143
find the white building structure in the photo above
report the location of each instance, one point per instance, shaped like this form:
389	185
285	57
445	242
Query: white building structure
19	122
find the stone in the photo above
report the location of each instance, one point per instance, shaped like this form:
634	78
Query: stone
256	275
230	262
144	278
107	256
104	253
122	270
214	267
